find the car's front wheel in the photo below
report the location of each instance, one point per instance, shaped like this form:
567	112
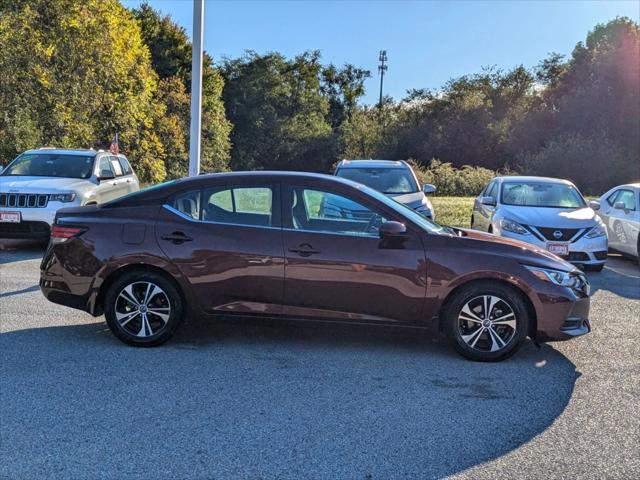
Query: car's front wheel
143	309
486	322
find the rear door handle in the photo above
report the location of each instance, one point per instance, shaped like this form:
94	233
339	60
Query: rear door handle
177	238
304	250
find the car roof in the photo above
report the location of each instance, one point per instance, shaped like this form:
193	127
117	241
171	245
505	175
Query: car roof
372	164
151	194
64	151
274	174
516	178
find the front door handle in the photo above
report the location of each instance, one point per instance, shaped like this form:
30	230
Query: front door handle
177	238
304	250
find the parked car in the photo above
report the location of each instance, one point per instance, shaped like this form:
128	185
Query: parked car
620	211
396	179
39	182
547	212
256	243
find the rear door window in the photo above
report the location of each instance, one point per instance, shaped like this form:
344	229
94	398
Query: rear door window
117	168
126	168
241	205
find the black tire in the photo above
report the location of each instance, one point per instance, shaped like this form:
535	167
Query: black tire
509	298
163	310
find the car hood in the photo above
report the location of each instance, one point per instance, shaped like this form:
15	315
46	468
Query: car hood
550	217
413	200
21	184
523	252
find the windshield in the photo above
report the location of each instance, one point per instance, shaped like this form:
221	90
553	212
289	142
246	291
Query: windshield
407	212
51	165
385	180
540	194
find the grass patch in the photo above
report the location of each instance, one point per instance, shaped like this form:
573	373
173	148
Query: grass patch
454	211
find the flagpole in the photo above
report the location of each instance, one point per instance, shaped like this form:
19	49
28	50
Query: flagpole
196	88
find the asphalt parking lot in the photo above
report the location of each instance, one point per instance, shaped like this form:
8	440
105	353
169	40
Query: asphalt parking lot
262	400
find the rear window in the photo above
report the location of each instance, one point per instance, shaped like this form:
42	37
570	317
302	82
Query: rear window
385	180
51	165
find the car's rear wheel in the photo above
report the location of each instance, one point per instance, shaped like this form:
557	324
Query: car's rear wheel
486	322
143	309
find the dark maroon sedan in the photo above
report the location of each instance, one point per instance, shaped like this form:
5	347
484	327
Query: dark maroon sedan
304	246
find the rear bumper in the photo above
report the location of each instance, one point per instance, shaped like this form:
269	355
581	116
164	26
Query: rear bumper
53	291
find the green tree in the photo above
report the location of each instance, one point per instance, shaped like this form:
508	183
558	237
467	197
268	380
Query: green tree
278	112
73	74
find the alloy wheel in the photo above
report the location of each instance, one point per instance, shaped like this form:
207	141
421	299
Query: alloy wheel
142	309
487	323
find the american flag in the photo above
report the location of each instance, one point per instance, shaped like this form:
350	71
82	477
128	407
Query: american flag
115	147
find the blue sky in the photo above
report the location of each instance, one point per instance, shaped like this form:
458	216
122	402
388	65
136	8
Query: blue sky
427	42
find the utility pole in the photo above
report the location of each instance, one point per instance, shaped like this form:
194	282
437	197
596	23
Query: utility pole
381	69
196	89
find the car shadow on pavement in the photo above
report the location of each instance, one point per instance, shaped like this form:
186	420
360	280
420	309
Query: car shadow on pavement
265	399
620	276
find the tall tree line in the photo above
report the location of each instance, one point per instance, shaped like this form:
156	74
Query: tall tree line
74	73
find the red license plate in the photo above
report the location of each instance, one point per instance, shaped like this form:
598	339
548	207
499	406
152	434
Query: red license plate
10	217
558	248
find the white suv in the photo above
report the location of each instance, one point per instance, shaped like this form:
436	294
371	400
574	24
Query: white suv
39	182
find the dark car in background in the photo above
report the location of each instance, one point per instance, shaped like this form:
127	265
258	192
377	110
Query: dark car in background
259	244
396	179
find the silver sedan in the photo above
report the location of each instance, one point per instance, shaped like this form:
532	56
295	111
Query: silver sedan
620	211
547	212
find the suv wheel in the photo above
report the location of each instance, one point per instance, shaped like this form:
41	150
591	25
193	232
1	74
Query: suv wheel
486	323
143	309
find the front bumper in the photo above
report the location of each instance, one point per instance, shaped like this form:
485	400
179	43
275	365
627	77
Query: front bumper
563	318
584	251
35	222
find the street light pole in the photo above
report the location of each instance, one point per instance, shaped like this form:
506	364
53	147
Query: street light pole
381	69
196	89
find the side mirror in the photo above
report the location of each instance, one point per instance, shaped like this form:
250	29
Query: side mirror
106	175
619	206
392	229
594	204
489	201
429	188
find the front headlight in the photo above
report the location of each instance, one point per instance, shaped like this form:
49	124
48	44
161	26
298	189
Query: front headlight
558	277
62	197
598	231
514	227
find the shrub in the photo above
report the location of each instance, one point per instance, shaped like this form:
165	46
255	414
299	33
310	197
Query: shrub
450	181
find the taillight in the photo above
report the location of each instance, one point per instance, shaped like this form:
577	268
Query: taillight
61	234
